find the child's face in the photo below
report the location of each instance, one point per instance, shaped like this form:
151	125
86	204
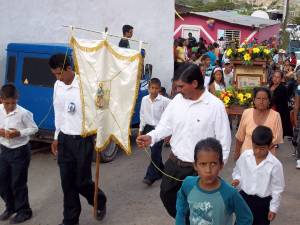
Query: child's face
218	76
154	90
260	151
9	104
208	166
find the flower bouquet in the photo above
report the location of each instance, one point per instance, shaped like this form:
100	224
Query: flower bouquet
248	55
231	96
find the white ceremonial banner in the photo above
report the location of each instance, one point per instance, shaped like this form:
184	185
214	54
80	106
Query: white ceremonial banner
109	81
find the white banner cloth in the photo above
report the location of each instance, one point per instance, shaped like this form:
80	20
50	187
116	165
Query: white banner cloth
109	82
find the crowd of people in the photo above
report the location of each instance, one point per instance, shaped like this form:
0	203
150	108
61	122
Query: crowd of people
194	123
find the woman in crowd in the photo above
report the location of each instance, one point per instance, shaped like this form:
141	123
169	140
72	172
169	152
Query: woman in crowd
216	82
279	102
260	114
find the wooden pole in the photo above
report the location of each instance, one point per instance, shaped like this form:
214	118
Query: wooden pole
96	183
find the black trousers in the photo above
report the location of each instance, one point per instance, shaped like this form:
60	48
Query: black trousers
75	156
152	173
259	208
14	164
170	187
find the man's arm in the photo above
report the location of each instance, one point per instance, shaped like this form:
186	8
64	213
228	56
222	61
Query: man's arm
142	116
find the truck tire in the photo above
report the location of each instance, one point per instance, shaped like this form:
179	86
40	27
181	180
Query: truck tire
109	154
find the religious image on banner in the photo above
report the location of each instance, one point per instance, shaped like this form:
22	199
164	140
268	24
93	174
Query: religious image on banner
109	82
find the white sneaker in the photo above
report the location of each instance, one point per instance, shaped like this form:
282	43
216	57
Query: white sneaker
298	164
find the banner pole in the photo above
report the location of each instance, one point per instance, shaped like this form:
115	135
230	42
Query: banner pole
96	183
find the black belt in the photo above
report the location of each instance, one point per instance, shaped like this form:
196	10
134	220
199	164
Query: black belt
72	136
179	162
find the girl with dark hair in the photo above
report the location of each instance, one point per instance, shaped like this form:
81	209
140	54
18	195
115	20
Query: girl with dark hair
279	102
216	82
260	114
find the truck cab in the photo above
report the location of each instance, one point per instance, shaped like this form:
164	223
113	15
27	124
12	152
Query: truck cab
27	67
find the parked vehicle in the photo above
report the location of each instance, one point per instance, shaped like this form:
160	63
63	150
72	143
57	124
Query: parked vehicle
27	67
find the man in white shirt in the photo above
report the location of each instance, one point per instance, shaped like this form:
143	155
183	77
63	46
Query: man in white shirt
16	125
74	152
152	107
259	175
193	115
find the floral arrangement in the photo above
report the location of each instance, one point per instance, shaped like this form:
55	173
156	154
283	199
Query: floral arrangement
232	96
248	54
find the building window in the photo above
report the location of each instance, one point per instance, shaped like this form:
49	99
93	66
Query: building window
36	71
232	36
190	29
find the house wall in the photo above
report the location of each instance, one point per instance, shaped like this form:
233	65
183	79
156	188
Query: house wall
213	32
266	33
41	21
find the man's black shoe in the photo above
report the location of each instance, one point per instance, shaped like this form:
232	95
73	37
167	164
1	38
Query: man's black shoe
148	181
6	214
101	214
21	217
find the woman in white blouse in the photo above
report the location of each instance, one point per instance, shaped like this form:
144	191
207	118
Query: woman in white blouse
216	82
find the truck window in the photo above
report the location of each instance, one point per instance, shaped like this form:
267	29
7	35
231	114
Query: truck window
11	69
36	71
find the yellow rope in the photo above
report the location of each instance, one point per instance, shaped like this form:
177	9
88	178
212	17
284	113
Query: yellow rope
167	175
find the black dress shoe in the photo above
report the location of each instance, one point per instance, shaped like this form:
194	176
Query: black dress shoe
6	214
148	181
101	214
21	217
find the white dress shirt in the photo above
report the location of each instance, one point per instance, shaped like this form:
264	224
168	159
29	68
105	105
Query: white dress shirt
151	111
21	120
67	108
264	179
191	121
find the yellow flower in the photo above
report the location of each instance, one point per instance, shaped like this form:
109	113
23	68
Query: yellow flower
240	50
240	96
247	57
267	51
248	95
256	50
228	52
226	100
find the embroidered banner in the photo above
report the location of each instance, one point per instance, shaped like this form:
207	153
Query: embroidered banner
109	80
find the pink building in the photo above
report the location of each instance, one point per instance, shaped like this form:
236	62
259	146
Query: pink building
227	24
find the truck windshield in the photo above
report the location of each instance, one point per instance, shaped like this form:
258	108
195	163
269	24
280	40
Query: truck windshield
36	71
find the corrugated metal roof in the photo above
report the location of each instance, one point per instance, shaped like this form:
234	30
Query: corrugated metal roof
235	18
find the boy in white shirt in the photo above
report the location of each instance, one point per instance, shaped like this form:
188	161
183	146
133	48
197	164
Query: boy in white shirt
16	125
259	175
151	110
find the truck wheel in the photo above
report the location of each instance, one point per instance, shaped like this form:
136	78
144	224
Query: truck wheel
109	154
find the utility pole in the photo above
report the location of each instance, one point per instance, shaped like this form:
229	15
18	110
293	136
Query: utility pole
285	35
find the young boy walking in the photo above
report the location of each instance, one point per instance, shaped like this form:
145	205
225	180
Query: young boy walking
259	175
152	108
16	125
207	198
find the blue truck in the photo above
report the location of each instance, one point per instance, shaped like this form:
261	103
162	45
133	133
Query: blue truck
27	67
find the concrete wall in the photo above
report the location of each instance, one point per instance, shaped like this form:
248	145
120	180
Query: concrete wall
41	21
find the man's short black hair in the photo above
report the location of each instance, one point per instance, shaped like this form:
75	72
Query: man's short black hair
262	136
188	72
59	61
9	91
155	81
126	28
209	145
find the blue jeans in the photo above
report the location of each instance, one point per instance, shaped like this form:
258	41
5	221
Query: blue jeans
152	173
